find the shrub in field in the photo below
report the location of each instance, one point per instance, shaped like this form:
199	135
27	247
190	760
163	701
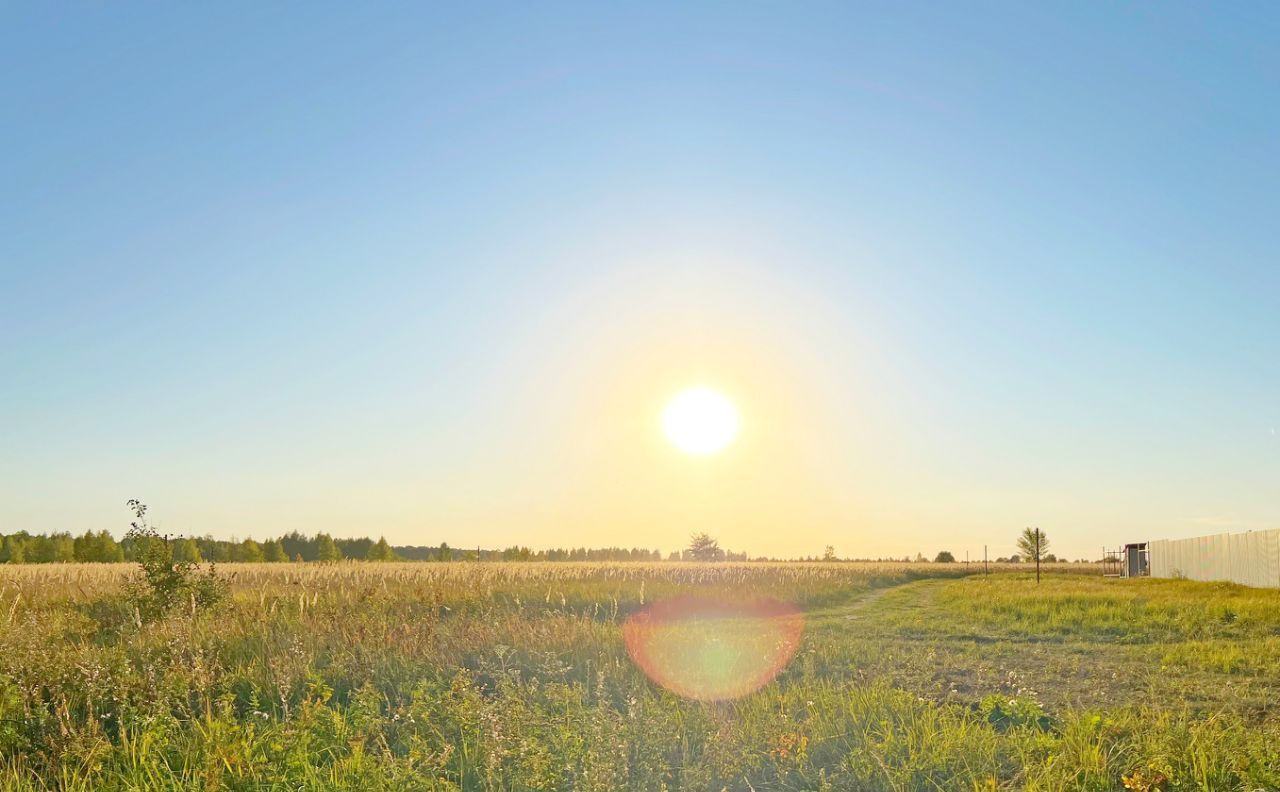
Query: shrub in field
166	581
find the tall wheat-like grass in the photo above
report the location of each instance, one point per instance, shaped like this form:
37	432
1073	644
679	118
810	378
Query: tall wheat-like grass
502	676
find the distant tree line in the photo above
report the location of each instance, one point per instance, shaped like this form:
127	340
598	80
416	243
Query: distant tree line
27	548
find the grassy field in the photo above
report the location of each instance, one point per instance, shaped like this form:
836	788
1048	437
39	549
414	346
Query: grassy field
516	676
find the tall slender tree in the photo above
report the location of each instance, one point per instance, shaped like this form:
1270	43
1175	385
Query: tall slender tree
1033	545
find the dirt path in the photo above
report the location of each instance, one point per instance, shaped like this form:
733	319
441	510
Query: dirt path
861	604
852	611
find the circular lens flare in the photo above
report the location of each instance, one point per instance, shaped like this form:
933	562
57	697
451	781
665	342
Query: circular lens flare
713	649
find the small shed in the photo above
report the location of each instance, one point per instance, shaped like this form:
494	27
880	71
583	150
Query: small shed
1135	560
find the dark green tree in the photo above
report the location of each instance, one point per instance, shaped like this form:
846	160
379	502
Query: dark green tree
15	550
273	552
703	548
381	551
327	549
249	551
186	551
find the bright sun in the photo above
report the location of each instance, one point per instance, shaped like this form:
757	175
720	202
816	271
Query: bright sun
700	421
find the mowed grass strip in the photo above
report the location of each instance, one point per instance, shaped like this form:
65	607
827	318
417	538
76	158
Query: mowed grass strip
1145	610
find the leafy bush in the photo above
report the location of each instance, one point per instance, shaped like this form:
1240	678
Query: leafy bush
167	581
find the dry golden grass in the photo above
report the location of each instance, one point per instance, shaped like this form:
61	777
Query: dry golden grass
34	582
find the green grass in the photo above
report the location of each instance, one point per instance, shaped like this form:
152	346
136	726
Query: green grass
491	676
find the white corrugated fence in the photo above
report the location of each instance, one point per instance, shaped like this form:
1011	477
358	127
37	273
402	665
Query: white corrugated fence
1252	559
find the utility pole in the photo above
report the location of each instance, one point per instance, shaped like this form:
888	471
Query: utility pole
985	571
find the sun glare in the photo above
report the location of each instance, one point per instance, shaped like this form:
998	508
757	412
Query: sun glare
700	421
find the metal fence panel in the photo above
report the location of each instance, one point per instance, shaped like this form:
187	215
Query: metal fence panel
1252	559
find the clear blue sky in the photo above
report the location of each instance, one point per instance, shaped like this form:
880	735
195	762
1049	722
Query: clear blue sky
422	271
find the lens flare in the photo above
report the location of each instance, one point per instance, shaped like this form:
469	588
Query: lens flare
713	649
